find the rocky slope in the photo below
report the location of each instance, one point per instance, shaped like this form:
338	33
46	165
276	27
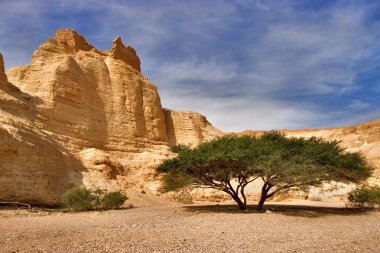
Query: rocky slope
79	115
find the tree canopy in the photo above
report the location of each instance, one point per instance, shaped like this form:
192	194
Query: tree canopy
291	162
230	163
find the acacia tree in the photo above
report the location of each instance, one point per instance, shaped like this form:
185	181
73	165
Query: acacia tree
282	163
214	165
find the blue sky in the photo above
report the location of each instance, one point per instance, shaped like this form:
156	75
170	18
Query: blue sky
245	64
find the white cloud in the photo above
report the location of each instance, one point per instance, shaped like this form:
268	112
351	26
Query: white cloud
238	114
262	6
318	55
210	71
358	105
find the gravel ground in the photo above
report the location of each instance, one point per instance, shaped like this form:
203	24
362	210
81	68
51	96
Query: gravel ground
201	228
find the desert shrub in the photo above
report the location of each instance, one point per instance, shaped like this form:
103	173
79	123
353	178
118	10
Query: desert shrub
365	197
79	199
180	148
112	200
82	199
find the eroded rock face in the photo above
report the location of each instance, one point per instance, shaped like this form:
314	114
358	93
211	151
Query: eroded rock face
34	168
186	127
125	53
94	98
3	77
71	41
77	116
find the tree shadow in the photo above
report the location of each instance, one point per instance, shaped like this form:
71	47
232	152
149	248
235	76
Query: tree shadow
289	210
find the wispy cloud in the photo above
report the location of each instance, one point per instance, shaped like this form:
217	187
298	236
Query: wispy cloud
358	105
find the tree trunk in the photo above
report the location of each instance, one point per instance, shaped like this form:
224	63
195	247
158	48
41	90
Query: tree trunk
243	195
261	201
264	195
241	204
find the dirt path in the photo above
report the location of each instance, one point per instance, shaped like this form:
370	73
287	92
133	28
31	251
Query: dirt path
194	228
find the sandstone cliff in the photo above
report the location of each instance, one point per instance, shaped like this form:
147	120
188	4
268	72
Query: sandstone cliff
90	96
34	168
3	77
78	115
186	127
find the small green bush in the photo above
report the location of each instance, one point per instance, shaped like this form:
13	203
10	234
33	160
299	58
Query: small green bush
79	199
113	200
82	199
365	197
179	148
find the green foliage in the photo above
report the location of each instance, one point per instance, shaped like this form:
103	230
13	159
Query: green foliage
214	165
292	162
365	196
113	200
280	162
220	160
82	199
79	199
310	161
180	148
315	156
174	183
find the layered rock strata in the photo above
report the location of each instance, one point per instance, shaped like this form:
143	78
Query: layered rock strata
34	168
186	127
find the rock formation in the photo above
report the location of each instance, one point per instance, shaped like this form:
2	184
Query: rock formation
188	128
77	115
34	168
80	116
3	77
125	53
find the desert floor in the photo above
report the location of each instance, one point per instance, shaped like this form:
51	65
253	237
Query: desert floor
192	228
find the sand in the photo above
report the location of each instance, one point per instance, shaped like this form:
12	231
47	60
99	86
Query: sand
192	228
